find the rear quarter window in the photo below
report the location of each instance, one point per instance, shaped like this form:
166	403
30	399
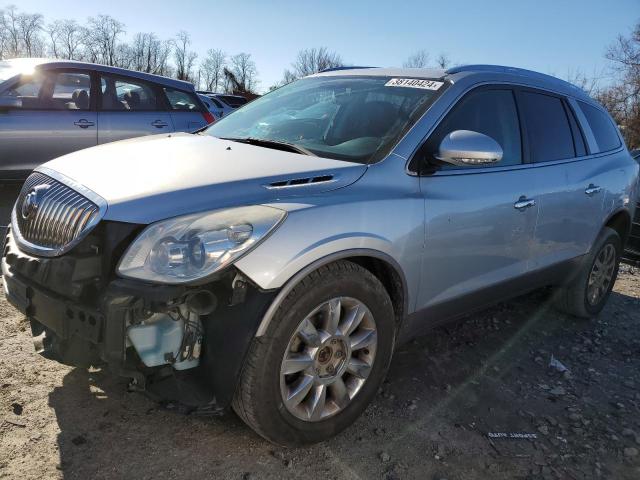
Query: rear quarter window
182	101
602	127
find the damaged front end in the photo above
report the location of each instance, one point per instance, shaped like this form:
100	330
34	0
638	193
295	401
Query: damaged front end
183	344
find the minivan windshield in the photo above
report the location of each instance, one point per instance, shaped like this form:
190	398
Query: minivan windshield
352	118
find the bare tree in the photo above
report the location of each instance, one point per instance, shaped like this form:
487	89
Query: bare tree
420	59
102	37
242	76
30	26
622	98
150	54
212	70
184	58
443	61
578	78
65	39
312	60
11	28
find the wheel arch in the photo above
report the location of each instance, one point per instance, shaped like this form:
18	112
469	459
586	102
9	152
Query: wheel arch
620	221
380	264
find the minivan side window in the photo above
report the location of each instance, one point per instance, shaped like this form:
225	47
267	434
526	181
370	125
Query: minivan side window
179	100
548	127
602	127
53	91
490	112
122	94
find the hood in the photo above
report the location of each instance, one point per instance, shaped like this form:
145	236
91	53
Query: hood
152	178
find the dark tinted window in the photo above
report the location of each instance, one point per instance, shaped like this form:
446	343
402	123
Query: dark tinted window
233	100
491	112
548	127
602	127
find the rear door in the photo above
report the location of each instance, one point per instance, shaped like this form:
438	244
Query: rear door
187	111
130	108
564	178
479	220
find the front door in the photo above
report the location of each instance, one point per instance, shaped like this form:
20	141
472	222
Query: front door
54	117
479	221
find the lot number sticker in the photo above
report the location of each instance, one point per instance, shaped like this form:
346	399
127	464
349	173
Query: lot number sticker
414	83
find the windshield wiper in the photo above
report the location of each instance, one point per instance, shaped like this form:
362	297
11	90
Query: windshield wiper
275	144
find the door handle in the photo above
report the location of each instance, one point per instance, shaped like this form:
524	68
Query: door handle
592	189
523	203
83	123
159	124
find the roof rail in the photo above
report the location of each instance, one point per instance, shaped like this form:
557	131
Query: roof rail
345	67
514	71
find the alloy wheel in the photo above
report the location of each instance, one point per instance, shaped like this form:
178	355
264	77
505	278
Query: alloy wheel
328	359
601	274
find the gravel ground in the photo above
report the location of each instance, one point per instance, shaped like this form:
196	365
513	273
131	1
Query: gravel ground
445	394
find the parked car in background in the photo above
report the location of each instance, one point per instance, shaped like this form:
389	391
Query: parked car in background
211	106
631	253
49	108
224	103
312	231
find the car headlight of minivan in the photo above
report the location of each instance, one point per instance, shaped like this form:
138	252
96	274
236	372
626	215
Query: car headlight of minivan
188	248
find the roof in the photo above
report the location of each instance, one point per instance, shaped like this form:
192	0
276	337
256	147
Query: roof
27	65
455	73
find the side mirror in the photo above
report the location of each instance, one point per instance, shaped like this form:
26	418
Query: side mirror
7	103
464	147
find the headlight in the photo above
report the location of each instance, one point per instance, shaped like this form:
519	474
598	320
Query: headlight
188	248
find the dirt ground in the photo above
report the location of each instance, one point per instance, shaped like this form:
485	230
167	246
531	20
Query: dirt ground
445	394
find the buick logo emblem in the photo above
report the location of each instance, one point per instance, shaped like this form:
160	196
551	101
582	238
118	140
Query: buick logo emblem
32	201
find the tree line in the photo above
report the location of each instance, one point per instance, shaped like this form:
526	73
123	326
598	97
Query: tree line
102	40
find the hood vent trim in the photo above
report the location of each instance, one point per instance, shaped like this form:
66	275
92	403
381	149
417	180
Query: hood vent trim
300	182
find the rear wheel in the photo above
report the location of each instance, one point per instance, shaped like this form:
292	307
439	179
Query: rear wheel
586	295
322	358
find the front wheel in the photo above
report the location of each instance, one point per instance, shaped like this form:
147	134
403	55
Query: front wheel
322	358
586	295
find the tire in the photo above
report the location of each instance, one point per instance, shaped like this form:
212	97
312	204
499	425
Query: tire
574	297
260	395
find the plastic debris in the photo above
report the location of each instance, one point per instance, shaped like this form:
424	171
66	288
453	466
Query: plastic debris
557	364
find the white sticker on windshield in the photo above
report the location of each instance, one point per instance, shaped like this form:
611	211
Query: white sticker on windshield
414	83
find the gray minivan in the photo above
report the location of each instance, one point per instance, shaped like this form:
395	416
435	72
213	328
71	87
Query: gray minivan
49	108
274	261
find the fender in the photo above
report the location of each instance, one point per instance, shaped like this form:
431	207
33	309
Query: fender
295	279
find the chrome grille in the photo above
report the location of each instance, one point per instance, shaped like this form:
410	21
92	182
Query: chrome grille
50	217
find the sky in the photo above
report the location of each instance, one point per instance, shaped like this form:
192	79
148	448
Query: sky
551	36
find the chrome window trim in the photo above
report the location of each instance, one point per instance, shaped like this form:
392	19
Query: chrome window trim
81	189
505	83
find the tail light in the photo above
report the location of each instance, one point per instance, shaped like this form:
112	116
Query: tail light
209	118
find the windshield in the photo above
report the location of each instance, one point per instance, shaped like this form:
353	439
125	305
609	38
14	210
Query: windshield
357	119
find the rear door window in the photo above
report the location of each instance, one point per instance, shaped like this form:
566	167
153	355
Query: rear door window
182	101
126	95
490	112
602	127
548	127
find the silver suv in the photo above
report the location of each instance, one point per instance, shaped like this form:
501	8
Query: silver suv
274	261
